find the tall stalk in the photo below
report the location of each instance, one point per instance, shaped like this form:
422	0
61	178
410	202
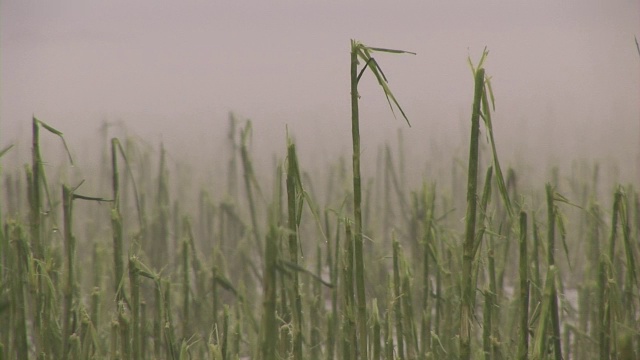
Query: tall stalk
555	316
348	327
69	244
35	200
70	285
116	220
523	345
470	225
293	179
427	243
269	331
357	207
397	296
20	260
249	178
360	51
134	283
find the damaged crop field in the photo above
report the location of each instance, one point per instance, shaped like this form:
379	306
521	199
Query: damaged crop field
138	261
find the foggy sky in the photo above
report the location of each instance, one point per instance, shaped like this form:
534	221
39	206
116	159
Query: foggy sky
566	75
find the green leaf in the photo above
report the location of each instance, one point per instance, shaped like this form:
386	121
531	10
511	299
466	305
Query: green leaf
4	151
364	53
393	51
58	133
560	221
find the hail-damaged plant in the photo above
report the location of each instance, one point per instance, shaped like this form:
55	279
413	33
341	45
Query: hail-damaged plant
68	195
249	180
116	216
38	181
294	185
485	113
362	52
469	248
483	104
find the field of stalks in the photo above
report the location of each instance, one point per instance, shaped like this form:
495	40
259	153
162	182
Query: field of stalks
297	265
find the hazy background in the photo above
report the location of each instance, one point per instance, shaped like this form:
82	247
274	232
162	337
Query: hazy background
566	76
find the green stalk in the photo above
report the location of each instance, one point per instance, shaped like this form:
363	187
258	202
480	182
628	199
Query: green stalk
604	315
536	277
470	228
185	289
335	275
225	333
144	339
292	200
70	247
397	296
540	345
70	286
169	333
349	339
631	280
316	310
411	338
158	320
614	225
388	344
248	178
134	283
35	199
269	324
331	337
377	350
18	303
486	325
357	206
214	292
555	316
34	178
491	304
359	50
429	206
125	334
523	345
486	196
160	241
116	221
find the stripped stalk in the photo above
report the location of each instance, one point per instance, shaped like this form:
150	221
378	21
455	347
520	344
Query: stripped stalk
555	316
293	179
470	228
70	247
357	205
269	333
249	178
116	221
349	340
363	52
134	283
429	206
523	345
397	300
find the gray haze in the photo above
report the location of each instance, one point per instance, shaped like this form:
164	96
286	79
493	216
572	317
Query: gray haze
566	75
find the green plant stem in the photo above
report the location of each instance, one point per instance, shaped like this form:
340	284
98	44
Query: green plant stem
270	327
555	316
357	209
397	299
69	242
116	221
470	228
523	345
292	196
